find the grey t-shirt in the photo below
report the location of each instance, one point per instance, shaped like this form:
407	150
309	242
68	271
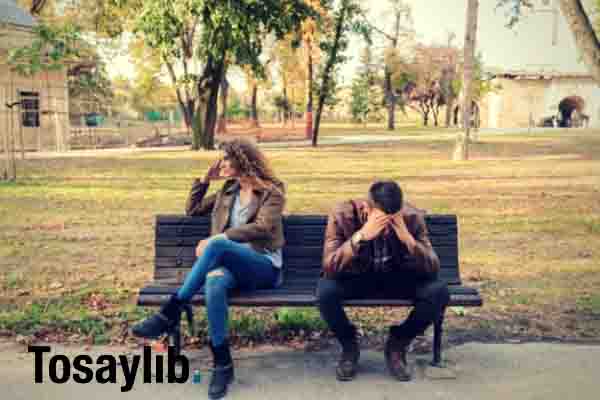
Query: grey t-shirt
239	216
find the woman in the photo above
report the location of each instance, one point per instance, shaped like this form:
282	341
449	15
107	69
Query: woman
243	251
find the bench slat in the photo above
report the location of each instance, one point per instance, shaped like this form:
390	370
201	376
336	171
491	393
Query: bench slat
290	219
295	234
291	277
187	262
289	252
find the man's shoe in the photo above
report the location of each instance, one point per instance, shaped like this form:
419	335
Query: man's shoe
167	319
222	374
395	358
348	362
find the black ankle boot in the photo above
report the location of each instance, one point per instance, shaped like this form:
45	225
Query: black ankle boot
348	362
164	322
222	371
396	349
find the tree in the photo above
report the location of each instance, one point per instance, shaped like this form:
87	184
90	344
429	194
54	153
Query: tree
426	74
359	104
367	97
282	104
448	77
235	108
90	89
579	23
291	70
461	151
346	18
311	32
37	6
401	28
167	33
252	82
224	31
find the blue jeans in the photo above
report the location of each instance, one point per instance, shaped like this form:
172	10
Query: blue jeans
225	265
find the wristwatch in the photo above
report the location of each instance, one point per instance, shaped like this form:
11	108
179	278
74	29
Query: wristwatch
357	238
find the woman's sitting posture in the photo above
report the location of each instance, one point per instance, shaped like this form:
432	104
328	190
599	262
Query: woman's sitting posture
243	251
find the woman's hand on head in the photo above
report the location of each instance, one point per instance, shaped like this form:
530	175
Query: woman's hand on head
214	172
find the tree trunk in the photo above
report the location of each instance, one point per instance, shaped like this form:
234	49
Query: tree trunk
309	102
187	105
327	72
449	111
211	109
222	125
435	110
461	150
198	121
254	108
585	36
285	106
390	96
390	100
208	89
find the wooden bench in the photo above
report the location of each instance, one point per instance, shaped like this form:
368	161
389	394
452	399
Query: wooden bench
177	237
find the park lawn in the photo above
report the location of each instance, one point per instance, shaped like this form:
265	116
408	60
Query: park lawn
76	234
408	127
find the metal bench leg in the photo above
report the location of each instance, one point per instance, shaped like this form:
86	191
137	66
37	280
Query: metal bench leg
175	339
175	336
437	341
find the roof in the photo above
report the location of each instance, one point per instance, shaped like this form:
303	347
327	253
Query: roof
11	13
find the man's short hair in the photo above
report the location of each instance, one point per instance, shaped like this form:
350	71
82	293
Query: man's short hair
386	196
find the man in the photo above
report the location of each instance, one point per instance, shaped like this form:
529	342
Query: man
379	248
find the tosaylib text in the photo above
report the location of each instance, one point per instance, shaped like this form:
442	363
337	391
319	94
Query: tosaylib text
105	368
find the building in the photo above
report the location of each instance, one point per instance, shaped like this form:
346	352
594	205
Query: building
34	110
541	98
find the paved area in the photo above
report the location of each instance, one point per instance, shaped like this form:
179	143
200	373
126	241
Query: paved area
475	371
324	141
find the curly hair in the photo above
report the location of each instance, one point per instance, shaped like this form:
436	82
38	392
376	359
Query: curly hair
250	162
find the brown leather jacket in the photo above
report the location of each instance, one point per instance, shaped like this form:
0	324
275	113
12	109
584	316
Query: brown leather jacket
264	229
340	257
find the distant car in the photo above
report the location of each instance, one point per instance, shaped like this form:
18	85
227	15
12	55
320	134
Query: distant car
94	119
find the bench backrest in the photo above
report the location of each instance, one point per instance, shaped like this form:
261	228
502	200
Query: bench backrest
177	237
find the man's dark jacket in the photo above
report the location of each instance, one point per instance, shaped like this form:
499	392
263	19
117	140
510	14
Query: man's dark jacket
340	257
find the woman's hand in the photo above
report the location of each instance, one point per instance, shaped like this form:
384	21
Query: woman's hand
214	172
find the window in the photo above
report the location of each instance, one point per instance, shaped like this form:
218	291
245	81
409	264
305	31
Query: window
30	109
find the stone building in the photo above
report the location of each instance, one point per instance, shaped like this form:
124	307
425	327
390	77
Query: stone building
542	98
33	109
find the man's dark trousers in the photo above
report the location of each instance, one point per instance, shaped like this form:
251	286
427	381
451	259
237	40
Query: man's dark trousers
430	300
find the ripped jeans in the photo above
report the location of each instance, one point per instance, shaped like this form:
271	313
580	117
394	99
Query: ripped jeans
226	265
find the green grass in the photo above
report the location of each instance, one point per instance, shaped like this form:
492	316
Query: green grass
589	303
248	326
294	320
528	209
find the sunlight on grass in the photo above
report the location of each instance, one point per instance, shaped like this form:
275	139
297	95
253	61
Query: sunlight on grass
528	208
